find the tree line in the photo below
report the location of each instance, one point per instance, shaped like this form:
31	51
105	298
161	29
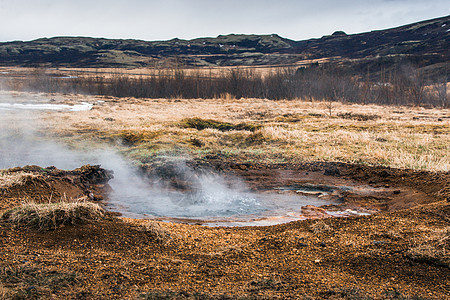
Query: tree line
403	85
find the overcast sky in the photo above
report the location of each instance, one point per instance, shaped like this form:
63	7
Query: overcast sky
186	19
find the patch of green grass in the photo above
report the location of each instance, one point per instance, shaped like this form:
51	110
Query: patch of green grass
200	124
133	137
358	116
242	140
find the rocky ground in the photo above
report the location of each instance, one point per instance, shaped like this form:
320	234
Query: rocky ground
401	252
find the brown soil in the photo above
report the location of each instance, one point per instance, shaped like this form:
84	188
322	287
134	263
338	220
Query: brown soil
367	257
53	185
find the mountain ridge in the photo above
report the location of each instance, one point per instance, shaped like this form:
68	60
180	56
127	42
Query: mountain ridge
426	43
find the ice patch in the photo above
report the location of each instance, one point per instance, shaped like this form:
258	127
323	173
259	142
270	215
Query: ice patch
65	77
84	106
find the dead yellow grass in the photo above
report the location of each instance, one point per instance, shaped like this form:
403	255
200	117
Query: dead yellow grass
156	231
4	292
401	137
9	179
320	227
434	248
50	216
142	72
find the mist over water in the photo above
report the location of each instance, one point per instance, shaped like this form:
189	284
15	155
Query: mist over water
22	143
133	194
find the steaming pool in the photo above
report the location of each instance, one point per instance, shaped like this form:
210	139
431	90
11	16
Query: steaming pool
206	199
213	201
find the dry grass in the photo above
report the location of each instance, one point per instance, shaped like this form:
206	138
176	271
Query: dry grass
156	231
429	254
434	249
401	137
320	227
4	292
51	216
9	179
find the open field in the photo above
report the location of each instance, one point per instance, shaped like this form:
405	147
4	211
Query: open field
284	131
395	161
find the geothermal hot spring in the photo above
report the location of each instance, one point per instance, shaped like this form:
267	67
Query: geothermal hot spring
193	197
214	200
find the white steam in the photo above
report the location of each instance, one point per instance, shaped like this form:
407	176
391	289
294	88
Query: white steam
21	143
206	197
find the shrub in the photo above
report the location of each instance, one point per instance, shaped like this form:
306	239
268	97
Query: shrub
358	117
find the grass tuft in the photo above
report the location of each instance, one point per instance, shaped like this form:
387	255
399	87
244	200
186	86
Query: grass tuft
320	227
156	231
51	216
9	179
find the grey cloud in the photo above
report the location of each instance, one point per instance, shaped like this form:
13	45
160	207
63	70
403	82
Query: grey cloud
158	19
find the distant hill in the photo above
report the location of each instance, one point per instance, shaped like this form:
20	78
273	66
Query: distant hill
426	43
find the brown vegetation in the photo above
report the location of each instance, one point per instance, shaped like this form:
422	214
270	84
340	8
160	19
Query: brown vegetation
272	131
52	215
8	179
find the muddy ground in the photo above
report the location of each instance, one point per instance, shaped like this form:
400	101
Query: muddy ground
400	252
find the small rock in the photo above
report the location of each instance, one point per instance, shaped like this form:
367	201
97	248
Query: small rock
396	192
332	172
322	244
31	288
302	245
317	261
313	211
379	242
